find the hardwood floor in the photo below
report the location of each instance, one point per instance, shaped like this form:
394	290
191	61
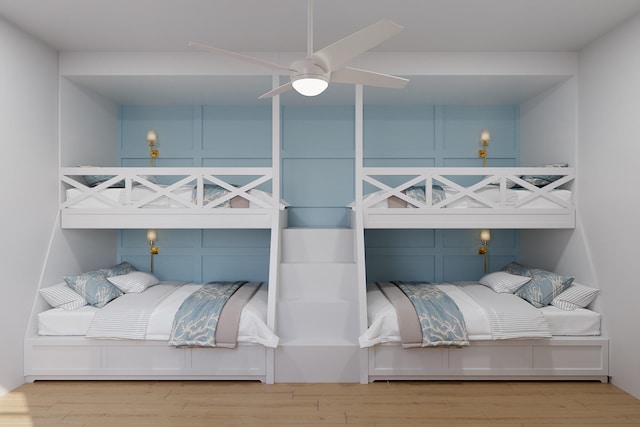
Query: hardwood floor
229	403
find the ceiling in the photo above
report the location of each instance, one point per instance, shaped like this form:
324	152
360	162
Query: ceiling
281	26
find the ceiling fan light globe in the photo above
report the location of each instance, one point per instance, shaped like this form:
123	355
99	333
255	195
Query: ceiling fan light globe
310	85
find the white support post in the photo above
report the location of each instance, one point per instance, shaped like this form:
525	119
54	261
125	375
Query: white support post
358	223
276	232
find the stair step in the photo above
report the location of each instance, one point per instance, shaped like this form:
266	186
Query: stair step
318	245
317	321
315	281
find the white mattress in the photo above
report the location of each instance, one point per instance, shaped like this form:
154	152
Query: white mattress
383	321
252	327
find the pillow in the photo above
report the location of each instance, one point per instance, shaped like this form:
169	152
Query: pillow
543	287
135	282
94	287
496	181
575	296
118	270
94	180
542	180
517	269
62	296
503	282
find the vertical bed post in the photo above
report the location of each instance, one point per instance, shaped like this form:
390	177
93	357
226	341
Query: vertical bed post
358	223
274	249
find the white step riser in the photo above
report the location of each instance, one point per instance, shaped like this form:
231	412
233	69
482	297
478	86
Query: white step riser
323	321
316	281
317	245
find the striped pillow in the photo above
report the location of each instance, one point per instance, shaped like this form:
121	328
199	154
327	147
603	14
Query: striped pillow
575	296
62	296
503	282
134	282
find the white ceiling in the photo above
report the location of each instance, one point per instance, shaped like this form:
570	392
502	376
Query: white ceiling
281	26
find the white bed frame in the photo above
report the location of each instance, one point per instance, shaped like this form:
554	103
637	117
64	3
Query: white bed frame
442	215
78	358
558	358
123	214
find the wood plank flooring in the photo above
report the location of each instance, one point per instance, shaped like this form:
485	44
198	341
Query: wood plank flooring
231	403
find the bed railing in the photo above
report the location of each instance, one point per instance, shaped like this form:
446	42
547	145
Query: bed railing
487	193
164	196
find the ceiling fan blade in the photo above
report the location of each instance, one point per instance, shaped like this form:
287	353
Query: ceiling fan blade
277	91
367	78
239	56
339	53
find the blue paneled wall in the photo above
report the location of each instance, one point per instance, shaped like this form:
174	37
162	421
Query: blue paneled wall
318	172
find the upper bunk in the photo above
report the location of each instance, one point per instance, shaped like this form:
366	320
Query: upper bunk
467	197
168	197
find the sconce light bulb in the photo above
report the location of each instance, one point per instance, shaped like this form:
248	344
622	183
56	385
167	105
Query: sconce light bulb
152	137
485	137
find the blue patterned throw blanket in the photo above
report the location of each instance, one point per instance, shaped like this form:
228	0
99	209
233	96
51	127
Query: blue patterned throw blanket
195	323
440	319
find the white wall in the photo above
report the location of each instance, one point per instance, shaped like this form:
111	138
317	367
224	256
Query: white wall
29	138
608	155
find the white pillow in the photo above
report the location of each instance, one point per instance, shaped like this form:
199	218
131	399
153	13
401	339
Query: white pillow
134	282
63	296
575	296
503	282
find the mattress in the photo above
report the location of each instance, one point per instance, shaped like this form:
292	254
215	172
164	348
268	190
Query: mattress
252	327
383	322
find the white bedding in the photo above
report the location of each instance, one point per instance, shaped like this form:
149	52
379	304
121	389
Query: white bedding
383	322
252	328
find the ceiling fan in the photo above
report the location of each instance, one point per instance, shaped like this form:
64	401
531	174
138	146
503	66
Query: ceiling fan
311	76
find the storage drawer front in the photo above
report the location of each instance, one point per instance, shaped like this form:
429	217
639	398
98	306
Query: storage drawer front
145	358
494	358
568	357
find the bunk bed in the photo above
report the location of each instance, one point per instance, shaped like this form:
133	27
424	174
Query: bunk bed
481	198
170	198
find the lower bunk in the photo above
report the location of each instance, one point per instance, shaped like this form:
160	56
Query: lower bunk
471	331
151	331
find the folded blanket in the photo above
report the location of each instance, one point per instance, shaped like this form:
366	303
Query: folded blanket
430	319
200	315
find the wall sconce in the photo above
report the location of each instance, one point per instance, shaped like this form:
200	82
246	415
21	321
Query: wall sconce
485	137
485	236
153	152
152	236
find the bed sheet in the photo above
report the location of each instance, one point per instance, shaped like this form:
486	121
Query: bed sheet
252	327
383	322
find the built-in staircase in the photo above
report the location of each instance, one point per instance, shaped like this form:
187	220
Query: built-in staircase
317	308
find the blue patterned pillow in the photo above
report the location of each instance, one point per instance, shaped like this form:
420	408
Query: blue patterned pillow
517	269
94	287
119	270
543	287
